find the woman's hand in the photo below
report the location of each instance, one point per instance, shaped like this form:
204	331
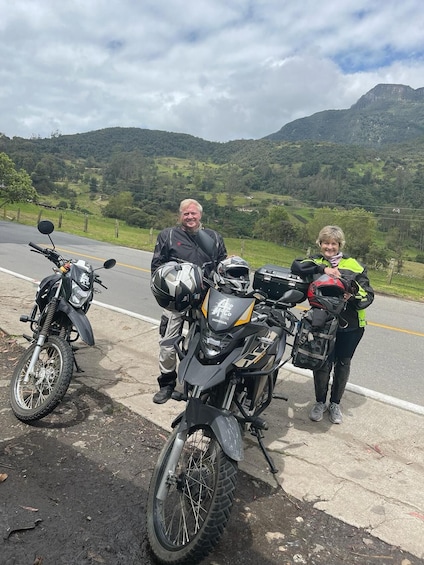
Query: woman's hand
332	272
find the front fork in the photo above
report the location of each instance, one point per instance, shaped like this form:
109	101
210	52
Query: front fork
173	459
233	439
42	336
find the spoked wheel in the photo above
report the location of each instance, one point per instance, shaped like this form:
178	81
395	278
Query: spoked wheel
48	383
189	506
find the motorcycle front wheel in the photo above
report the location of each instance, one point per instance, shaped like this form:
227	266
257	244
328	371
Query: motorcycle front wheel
34	399
188	520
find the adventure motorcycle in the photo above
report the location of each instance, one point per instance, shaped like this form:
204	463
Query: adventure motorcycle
229	361
57	320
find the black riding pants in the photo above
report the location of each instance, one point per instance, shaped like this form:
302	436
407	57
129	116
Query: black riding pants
346	343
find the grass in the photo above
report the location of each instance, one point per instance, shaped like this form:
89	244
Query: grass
409	284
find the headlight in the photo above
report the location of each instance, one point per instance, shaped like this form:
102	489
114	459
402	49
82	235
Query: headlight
78	296
213	344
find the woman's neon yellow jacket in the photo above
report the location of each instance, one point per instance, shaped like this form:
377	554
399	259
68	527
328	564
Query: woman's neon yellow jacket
353	272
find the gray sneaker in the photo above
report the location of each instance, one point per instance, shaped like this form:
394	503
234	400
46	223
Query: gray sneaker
335	414
317	411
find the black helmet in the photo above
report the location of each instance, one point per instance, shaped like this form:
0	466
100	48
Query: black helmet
177	286
327	292
232	274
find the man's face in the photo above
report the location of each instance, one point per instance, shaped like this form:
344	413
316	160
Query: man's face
190	218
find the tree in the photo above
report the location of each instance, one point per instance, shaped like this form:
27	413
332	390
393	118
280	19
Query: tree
359	227
378	257
93	185
118	205
276	227
15	186
41	179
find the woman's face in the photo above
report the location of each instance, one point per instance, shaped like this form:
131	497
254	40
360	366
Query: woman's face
330	248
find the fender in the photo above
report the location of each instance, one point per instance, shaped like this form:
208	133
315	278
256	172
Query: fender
79	320
223	424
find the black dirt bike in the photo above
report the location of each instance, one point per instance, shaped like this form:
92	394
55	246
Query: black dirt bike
229	362
57	320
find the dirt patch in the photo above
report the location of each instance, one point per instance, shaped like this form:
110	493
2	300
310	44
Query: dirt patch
74	492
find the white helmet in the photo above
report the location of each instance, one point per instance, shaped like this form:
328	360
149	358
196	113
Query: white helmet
232	275
177	286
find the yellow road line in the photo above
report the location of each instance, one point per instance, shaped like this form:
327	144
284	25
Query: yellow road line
102	259
401	330
392	328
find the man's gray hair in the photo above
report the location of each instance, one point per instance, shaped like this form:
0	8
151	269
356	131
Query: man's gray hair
188	202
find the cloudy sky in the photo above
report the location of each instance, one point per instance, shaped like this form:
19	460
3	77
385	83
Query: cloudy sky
216	69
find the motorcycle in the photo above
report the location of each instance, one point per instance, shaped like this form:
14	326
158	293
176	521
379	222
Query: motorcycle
229	362
57	320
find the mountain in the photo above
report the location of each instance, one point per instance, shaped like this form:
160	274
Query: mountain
387	114
102	144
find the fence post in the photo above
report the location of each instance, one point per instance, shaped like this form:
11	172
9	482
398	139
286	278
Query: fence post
86	224
242	248
39	216
116	228
60	221
151	235
390	271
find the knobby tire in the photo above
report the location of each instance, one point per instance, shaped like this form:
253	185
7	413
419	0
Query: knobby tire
188	524
45	389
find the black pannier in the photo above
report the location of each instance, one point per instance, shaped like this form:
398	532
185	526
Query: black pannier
315	338
275	281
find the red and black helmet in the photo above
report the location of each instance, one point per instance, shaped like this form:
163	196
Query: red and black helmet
327	292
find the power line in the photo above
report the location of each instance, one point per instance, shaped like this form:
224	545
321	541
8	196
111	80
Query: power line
337	204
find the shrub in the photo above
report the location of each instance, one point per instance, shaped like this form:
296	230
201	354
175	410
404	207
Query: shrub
419	258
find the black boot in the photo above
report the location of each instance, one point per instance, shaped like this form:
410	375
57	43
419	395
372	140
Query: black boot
167	382
163	394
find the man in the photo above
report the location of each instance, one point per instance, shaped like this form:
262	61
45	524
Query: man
190	242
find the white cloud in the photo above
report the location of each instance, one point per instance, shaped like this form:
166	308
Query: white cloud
217	69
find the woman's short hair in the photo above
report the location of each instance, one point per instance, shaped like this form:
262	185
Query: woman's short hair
188	202
329	233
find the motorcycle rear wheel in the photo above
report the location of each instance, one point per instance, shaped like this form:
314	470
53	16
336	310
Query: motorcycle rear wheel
47	386
187	525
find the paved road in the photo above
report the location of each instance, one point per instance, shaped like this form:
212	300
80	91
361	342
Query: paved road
389	359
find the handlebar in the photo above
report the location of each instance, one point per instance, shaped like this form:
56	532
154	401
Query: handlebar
50	254
98	280
53	256
37	247
277	313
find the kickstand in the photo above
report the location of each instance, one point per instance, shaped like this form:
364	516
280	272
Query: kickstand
77	367
259	436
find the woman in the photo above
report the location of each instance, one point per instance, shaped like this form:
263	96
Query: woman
332	261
